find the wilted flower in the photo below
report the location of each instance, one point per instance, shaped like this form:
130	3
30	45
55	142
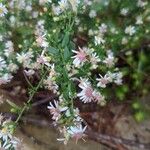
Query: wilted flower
51	84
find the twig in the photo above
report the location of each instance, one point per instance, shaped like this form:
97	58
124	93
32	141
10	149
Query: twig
43	101
103	138
28	119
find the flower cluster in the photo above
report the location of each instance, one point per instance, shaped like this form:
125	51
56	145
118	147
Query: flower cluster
65	5
61	114
7	141
72	45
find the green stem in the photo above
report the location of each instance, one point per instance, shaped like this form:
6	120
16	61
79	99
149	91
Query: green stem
30	99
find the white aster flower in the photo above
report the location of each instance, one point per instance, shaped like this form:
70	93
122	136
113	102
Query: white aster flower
12	20
42	2
74	4
63	4
1	38
99	98
56	110
41	41
139	20
80	57
5	78
52	72
25	58
103	81
2	63
3	10
130	30
93	58
7	141
12	67
17	143
77	132
51	84
99	39
86	95
118	78
109	60
103	28
9	48
43	59
5	134
92	14
90	32
124	11
56	10
88	2
124	41
141	3
35	14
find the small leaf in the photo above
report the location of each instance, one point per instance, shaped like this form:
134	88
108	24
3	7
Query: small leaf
15	108
65	39
139	116
53	50
72	45
136	105
66	53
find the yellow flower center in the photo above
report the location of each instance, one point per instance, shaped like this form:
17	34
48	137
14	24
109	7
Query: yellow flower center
4	130
1	11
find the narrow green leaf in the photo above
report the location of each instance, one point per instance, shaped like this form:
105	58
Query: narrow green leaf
15	108
65	39
66	53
